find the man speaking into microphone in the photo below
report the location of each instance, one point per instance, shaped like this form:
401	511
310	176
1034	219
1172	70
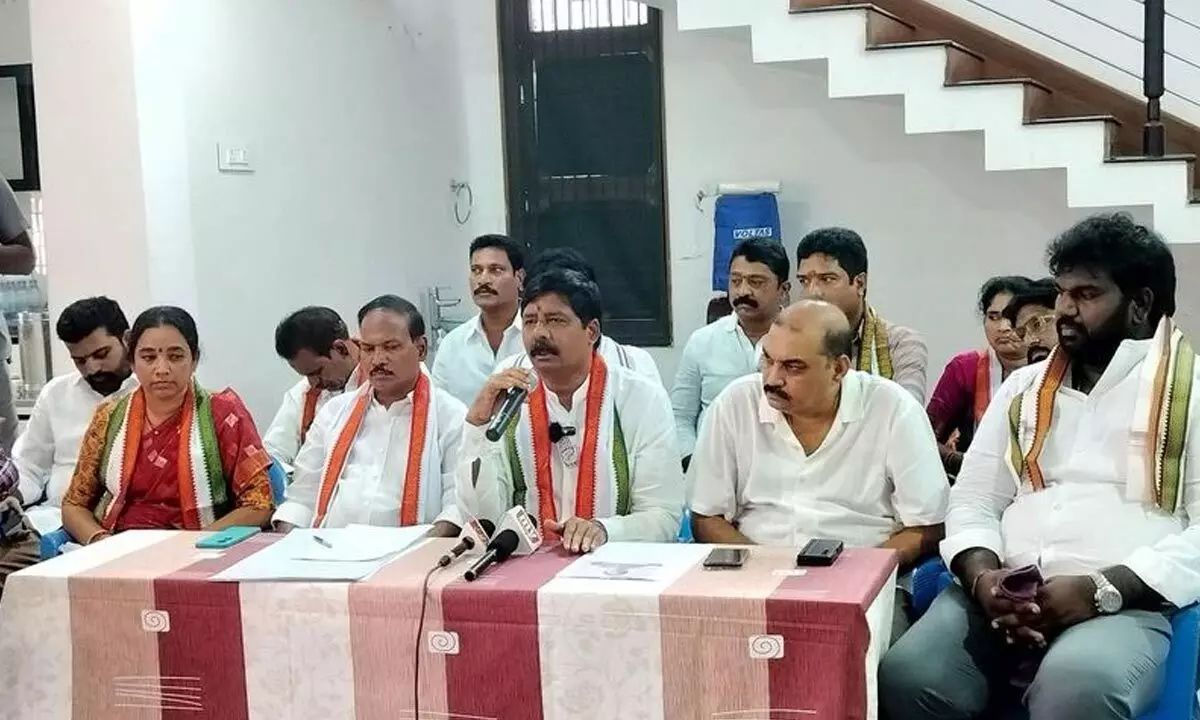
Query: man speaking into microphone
591	452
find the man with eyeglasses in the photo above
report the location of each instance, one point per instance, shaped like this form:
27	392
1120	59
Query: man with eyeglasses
1031	313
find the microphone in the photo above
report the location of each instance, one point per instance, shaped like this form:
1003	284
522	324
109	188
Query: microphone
475	534
517	535
508	412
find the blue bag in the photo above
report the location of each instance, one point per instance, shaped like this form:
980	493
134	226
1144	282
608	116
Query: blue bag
738	218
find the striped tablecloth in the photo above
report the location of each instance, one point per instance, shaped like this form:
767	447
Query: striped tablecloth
130	628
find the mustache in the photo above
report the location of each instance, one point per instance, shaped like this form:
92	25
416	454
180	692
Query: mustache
380	370
776	391
542	347
485	290
747	301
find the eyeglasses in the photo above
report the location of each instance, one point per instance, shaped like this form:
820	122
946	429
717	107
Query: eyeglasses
1034	325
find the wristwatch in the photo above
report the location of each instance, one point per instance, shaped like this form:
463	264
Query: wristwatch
1108	598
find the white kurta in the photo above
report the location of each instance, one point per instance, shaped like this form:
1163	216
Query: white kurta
465	360
46	453
877	470
1083	520
282	439
371	486
656	480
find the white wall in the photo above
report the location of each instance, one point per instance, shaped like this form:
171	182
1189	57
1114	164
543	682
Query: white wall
88	135
352	113
14	32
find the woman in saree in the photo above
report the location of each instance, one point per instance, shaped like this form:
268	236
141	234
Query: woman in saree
168	455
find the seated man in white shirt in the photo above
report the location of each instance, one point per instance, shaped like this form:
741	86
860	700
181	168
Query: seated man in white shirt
812	449
613	352
1086	466
719	353
93	329
386	453
468	354
613	471
316	344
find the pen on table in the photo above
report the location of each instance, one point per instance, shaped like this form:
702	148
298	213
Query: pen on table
322	542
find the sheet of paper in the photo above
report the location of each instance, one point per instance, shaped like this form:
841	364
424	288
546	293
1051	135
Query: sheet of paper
356	543
636	562
292	558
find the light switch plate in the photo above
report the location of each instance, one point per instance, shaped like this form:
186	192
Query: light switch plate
234	158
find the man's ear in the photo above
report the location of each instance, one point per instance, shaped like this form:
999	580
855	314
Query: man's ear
841	367
422	344
593	330
1139	307
860	284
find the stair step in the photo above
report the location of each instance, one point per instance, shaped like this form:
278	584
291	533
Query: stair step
1177	157
1003	81
1074	119
801	9
927	43
1037	95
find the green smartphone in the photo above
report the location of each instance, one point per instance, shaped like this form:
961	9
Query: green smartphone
227	538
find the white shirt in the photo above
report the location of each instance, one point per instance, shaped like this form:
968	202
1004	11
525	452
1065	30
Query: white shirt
877	470
282	440
46	453
715	355
656	480
371	486
464	359
613	352
1082	521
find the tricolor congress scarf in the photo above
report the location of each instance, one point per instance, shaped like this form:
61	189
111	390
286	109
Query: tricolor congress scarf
874	356
202	484
1159	426
602	485
424	460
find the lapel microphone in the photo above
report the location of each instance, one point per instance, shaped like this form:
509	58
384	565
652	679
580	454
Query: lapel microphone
558	432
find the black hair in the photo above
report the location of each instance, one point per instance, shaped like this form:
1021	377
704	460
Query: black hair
313	328
841	244
166	316
400	306
1012	284
1042	292
839	342
767	251
581	294
516	254
84	317
565	258
1134	256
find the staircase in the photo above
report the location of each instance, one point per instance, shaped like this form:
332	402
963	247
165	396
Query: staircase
956	77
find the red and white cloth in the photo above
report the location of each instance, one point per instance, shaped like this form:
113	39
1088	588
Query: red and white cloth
131	628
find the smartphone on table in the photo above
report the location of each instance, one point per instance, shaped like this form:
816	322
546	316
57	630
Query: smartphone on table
726	558
226	538
819	553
